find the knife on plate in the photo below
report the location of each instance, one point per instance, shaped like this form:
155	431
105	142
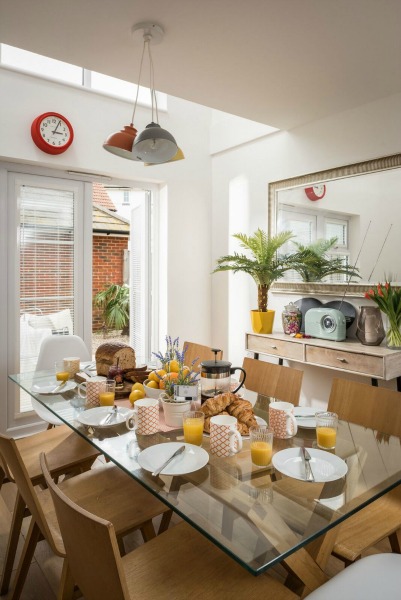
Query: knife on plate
308	469
59	387
180	450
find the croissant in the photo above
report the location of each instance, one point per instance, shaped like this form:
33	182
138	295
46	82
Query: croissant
214	406
242	410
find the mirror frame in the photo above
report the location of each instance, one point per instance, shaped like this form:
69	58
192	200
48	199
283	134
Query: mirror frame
328	289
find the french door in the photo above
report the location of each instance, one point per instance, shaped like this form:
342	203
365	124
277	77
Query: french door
48	274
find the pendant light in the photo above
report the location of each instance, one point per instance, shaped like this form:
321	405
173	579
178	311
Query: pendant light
154	145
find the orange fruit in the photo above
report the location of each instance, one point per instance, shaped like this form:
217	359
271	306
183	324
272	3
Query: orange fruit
167	377
153	384
136	395
173	366
185	371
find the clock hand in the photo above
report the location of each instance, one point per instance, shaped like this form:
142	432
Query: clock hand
57	126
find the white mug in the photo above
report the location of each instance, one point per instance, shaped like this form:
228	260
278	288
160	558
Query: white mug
92	388
225	439
144	419
282	420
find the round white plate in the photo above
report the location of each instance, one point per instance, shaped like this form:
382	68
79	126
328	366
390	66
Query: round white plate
192	459
93	417
325	466
305	421
47	387
259	421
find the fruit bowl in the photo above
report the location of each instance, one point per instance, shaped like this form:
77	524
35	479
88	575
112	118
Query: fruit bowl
151	392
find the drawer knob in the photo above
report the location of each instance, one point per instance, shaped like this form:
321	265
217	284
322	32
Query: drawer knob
274	347
342	360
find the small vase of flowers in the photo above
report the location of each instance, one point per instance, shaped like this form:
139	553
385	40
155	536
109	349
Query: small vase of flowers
388	299
179	381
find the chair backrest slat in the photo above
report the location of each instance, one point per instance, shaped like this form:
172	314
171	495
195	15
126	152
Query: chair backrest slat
91	546
374	407
277	381
200	353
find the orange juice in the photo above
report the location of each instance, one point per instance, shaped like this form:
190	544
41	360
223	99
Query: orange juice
261	453
193	431
62	376
326	437
106	398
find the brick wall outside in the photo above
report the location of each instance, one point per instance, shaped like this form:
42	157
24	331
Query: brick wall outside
108	254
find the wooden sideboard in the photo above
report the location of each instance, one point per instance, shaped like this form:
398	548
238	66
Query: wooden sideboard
376	362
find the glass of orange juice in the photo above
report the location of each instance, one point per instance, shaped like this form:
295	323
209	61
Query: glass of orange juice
193	422
106	397
261	439
62	374
326	430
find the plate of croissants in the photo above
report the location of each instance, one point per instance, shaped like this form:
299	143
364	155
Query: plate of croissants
231	404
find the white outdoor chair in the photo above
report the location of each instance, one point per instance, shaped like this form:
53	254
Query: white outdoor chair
370	578
53	348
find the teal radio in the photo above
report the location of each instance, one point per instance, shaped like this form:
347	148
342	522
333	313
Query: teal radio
325	323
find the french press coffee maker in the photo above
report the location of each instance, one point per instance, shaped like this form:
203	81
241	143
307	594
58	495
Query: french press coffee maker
216	377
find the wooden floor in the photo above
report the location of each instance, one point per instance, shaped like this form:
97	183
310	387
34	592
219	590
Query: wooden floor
45	570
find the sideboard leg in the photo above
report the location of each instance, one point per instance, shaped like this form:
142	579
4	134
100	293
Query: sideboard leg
256	355
375	383
398	384
280	361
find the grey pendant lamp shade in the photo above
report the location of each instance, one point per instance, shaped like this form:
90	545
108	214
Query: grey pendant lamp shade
154	145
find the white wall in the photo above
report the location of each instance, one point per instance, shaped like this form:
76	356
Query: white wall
188	182
367	132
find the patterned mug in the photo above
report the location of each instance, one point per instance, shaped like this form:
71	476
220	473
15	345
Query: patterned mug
144	419
282	420
225	439
91	389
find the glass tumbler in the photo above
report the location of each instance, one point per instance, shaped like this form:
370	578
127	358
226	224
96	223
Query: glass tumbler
326	430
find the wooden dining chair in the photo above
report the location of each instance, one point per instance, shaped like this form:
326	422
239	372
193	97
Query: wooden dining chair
107	491
179	563
199	353
276	381
68	454
380	409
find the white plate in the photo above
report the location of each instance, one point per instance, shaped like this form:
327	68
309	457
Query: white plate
325	466
93	417
305	422
259	421
192	459
47	387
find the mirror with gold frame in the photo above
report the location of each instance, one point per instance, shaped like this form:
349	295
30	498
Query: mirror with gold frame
363	201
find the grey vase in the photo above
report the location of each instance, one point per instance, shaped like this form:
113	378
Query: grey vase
369	327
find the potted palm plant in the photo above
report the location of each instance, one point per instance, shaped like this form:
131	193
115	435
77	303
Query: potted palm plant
114	304
265	265
314	264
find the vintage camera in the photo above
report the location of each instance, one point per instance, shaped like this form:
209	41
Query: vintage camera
325	323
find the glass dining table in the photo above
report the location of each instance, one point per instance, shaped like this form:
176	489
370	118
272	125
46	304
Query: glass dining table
258	516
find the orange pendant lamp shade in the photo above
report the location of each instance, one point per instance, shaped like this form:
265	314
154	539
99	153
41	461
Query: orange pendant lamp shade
121	142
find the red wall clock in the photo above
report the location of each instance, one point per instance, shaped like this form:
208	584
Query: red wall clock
52	133
316	192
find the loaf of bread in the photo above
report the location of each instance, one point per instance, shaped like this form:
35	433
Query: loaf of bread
216	405
108	353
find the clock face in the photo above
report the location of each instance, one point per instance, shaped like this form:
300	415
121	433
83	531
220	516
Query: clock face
52	133
316	192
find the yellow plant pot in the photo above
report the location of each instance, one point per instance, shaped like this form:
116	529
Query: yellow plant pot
262	322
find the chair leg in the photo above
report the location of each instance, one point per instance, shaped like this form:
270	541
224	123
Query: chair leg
395	541
165	521
66	587
148	531
15	530
31	541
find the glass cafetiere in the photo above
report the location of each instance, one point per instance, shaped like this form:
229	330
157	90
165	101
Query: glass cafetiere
215	377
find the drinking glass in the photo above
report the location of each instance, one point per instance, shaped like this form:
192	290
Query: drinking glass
106	397
62	374
326	430
193	422
261	442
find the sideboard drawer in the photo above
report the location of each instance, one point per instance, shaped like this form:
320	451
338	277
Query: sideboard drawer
347	361
275	347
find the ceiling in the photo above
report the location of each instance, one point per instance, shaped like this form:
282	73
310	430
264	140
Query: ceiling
278	62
